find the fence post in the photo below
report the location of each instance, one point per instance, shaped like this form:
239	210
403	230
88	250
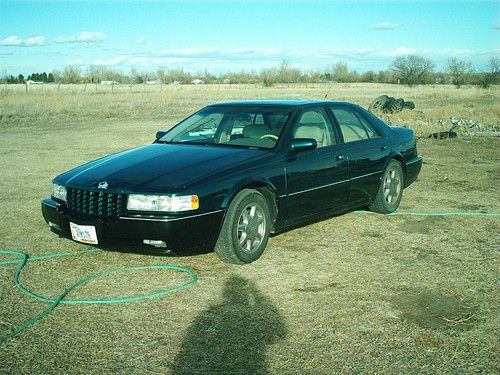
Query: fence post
26	84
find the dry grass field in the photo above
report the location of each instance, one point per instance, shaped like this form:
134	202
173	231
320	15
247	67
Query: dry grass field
357	293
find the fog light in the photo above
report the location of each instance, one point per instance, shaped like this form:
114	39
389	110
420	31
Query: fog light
54	225
155	243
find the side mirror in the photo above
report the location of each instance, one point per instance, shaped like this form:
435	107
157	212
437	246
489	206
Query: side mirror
160	133
302	144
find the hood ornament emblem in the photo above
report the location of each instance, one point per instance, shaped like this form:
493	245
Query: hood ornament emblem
102	185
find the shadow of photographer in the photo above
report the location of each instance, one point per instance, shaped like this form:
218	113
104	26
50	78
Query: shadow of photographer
231	337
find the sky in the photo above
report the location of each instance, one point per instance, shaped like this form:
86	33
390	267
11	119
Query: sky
220	36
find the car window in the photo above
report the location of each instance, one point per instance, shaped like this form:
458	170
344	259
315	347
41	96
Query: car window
203	127
313	124
248	126
353	127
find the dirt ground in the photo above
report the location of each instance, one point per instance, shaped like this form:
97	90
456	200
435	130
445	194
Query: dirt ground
356	293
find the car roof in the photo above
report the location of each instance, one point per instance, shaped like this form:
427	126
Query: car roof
277	103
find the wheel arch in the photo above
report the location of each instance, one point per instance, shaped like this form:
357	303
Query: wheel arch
398	157
266	188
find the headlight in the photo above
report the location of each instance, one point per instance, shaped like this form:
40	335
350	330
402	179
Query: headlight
59	192
166	203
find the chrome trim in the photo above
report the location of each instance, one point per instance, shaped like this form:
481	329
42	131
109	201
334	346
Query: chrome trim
365	175
169	219
333	184
318	187
417	159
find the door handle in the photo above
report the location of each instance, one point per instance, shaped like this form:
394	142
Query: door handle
383	148
339	157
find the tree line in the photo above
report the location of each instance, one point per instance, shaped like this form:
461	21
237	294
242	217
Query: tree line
410	70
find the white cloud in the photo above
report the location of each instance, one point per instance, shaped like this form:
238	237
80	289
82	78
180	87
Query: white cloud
142	41
34	41
223	59
82	37
385	26
115	61
223	53
15	41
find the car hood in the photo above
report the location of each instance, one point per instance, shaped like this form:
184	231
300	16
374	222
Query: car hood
156	168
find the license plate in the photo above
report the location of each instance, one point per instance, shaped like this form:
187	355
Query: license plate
83	233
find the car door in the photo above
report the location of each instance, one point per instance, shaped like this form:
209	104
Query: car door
317	180
367	150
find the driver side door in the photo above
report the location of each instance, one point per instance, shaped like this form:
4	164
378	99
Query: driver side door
317	180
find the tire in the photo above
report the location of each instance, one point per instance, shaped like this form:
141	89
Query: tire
390	191
379	103
409	105
245	231
398	104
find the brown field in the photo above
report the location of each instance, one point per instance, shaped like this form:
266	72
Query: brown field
357	293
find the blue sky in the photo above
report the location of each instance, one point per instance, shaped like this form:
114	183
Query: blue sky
243	35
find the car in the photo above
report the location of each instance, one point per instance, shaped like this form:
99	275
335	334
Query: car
231	174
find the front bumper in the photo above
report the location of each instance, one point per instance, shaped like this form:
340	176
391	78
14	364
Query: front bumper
198	231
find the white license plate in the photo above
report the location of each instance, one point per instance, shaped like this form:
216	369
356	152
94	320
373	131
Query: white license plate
83	233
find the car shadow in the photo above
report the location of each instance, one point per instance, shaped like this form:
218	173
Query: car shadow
230	337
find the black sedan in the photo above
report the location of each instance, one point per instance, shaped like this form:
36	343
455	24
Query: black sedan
232	173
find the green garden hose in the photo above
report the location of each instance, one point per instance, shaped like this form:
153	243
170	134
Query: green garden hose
24	258
435	213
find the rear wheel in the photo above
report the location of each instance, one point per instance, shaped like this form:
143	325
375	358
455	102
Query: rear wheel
390	191
245	230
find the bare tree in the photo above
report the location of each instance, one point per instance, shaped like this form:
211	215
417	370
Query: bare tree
286	73
162	75
492	76
269	76
459	71
412	69
71	74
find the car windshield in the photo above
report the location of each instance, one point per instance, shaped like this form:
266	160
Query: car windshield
248	126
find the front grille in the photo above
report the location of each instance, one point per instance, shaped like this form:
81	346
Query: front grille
96	203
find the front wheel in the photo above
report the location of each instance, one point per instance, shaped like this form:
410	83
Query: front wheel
245	231
390	191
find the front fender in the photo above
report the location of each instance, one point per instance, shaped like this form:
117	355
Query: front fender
248	183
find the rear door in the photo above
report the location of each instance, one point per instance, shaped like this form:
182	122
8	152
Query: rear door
317	180
366	148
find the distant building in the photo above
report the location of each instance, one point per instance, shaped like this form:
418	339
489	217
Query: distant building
155	82
197	82
31	82
108	82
